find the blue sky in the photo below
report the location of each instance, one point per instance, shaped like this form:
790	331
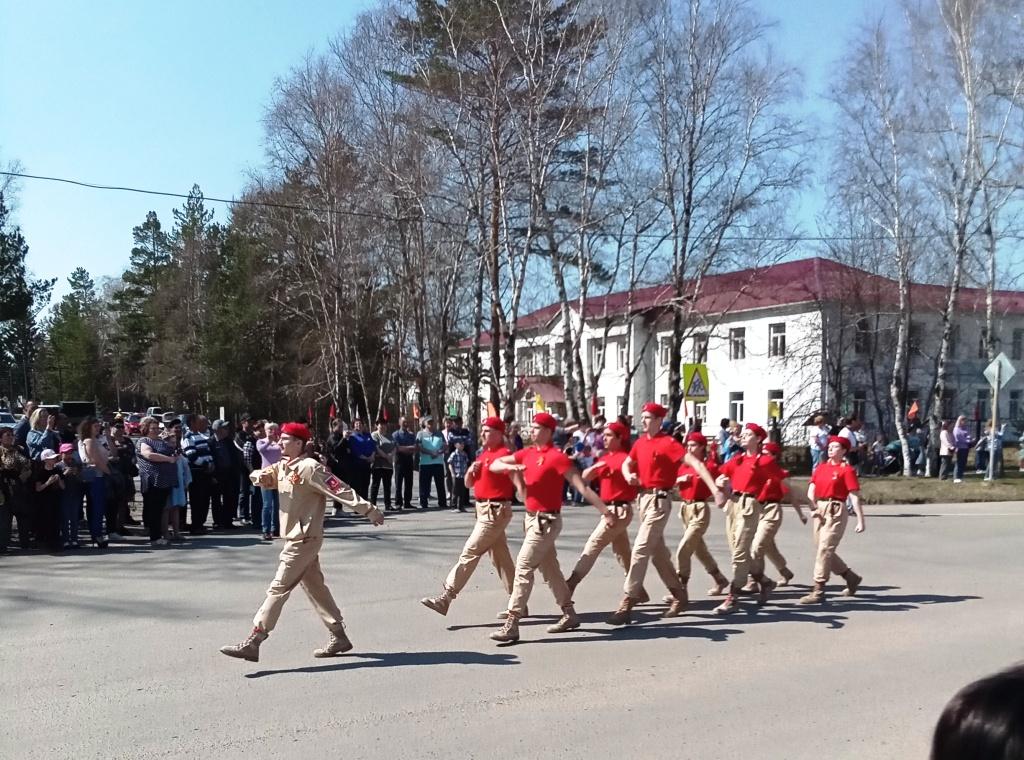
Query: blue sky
163	95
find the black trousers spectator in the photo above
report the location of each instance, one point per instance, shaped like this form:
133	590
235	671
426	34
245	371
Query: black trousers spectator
432	473
250	501
403	481
116	492
154	502
945	466
360	479
199	497
224	498
377	476
460	495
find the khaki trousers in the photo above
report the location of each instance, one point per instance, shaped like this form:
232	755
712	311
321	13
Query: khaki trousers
696	517
616	535
299	564
649	547
741	518
488	536
538	553
764	540
829	523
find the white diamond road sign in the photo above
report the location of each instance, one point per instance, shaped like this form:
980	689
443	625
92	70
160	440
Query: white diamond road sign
1006	371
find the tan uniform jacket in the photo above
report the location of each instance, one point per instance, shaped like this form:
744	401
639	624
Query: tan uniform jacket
302	484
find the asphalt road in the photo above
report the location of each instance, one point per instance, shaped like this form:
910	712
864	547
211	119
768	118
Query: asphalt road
114	654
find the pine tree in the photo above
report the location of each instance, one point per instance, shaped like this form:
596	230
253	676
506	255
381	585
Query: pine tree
72	355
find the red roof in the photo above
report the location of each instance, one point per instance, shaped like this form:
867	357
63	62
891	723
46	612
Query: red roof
791	282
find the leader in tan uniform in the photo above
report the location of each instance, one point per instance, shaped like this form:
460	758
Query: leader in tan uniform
302	483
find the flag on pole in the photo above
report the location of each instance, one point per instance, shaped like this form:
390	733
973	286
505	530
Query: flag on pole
415	411
538	402
914	410
594	408
309	414
384	415
333	411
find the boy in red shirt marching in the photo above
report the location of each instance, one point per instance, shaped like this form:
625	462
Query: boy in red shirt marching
544	469
746	475
493	495
770	497
832	482
619	496
653	464
696	516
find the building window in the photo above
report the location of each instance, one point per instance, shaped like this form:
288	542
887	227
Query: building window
700	411
775	404
914	340
622	354
736	406
541	360
665	350
984	405
527	365
860	404
954	341
664	400
557	369
596	355
618	406
948	403
862	336
1017	347
983	344
600	406
700	348
738	343
1015	405
777	339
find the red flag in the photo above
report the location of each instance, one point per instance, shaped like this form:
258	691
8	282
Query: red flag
593	404
492	410
914	410
415	411
384	415
309	414
332	412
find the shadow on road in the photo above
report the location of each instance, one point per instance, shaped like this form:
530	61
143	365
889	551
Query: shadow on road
397	660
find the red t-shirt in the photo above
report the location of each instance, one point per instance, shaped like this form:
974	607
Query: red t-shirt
773	489
543	476
695	489
492	486
657	460
749	473
834	481
613	484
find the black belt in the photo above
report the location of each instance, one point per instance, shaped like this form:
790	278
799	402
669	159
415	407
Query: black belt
660	492
745	493
619	503
491	504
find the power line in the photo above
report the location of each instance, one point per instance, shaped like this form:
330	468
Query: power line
444	222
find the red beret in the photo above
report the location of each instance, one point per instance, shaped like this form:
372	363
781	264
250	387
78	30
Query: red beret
296	430
656	410
619	430
772	448
494	423
842	440
696	437
756	429
545	420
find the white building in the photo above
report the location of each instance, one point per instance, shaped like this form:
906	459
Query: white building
799	337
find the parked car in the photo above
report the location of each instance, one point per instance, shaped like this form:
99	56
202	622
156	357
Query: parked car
131	424
154	411
7	420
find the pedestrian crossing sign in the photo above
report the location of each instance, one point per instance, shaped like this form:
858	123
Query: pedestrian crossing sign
695	382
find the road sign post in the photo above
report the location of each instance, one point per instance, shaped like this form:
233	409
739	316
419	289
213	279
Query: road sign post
998	373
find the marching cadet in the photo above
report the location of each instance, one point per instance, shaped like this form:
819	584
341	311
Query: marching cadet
619	496
770	498
746	473
832	482
493	493
545	469
302	484
653	464
696	516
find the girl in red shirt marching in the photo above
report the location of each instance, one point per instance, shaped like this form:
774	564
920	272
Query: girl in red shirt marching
832	481
544	469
